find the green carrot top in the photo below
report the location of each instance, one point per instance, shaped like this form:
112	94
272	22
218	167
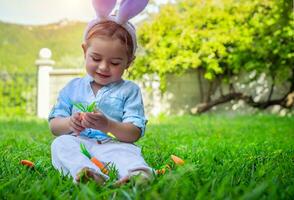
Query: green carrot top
86	108
85	151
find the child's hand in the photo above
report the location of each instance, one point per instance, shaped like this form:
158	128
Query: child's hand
95	120
75	124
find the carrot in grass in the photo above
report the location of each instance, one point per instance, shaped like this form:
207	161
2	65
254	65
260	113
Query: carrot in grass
163	170
27	163
177	160
160	171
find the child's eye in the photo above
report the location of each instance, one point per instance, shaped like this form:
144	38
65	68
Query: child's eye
115	64
96	59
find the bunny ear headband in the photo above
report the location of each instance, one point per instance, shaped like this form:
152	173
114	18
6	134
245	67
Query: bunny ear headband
127	10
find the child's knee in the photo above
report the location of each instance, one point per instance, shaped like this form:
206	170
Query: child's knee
61	142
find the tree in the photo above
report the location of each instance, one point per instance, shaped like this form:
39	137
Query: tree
272	26
220	39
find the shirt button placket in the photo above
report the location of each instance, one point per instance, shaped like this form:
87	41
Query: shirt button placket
99	96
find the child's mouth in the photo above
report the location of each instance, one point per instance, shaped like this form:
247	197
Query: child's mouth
103	75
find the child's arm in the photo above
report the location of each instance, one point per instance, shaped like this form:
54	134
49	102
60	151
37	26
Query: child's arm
59	126
66	125
125	132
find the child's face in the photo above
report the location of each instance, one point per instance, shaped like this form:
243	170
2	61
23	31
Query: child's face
106	60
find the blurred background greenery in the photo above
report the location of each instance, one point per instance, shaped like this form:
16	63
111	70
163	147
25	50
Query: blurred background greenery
220	40
20	45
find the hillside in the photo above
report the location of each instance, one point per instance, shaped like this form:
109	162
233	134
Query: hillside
20	45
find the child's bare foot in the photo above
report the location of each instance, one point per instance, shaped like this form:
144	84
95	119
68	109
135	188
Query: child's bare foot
87	174
141	178
122	181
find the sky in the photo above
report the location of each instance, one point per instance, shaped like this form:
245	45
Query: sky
38	12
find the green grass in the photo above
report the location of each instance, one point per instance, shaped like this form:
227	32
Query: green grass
242	157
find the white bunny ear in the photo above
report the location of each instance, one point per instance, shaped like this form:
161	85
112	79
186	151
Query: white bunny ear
103	7
130	8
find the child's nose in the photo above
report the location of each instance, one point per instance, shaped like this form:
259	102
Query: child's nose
103	66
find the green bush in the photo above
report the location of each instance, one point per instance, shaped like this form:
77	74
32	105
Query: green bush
18	94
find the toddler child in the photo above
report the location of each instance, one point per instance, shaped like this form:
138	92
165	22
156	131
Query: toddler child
109	47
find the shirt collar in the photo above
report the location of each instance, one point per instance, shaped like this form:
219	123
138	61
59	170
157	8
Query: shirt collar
90	79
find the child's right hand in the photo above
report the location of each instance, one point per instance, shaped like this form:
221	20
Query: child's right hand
75	123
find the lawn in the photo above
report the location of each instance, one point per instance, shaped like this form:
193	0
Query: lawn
242	157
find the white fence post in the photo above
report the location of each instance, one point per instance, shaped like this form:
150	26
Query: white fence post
44	64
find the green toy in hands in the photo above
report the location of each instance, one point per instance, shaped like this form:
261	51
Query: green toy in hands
86	108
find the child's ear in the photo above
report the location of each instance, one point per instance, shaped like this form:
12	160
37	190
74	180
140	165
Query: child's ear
84	47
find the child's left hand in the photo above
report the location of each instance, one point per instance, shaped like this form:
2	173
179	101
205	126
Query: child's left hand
95	120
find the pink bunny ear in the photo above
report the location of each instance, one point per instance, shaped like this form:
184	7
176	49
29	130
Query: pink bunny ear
130	8
103	7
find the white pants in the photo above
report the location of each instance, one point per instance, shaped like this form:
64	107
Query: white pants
68	159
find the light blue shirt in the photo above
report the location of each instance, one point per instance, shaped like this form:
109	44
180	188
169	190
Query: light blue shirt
120	101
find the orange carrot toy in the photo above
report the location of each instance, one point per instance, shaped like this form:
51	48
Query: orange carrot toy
94	160
31	165
177	162
27	163
163	170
